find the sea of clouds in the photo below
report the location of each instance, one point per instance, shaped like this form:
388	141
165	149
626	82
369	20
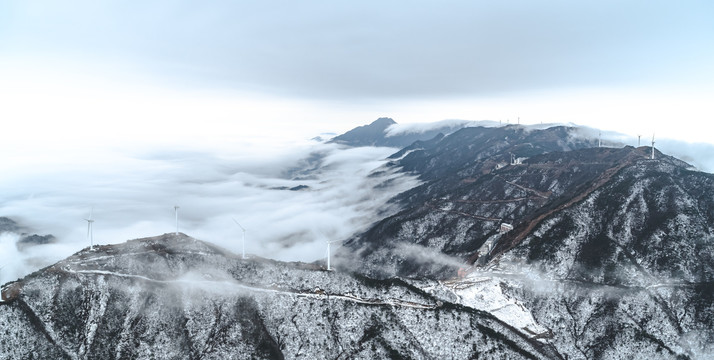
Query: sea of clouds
133	194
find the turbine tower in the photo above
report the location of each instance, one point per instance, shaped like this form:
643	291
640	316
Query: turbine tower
90	236
176	207
599	139
328	253
653	142
242	228
639	137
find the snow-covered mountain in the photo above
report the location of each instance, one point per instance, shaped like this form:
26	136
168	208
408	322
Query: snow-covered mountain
609	249
174	297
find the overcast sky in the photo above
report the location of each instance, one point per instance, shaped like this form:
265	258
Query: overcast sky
161	67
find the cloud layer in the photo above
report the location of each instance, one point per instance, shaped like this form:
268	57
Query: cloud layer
134	198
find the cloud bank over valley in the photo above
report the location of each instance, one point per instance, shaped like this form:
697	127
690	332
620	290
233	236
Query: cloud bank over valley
289	202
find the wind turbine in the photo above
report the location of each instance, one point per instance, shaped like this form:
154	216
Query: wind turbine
176	207
653	142
90	236
242	228
599	139
329	242
639	137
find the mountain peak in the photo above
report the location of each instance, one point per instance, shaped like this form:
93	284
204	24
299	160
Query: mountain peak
383	122
375	134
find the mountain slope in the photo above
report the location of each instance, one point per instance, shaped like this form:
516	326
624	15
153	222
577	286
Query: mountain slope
652	219
609	250
173	297
633	263
469	189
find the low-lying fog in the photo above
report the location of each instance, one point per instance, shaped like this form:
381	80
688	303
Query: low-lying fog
133	196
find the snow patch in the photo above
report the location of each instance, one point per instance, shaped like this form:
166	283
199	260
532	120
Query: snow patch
486	294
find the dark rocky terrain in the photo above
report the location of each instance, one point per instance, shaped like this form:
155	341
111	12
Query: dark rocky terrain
470	187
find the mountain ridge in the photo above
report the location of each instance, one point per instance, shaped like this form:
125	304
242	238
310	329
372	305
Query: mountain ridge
176	297
621	242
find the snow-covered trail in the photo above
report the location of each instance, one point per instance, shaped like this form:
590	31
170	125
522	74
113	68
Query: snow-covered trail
534	278
235	287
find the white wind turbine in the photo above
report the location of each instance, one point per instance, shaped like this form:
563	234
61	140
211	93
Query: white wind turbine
329	242
639	137
176	207
242	228
653	142
90	235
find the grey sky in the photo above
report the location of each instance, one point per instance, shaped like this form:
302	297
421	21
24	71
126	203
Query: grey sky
374	49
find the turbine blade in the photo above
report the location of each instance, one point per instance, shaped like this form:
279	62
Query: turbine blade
239	225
